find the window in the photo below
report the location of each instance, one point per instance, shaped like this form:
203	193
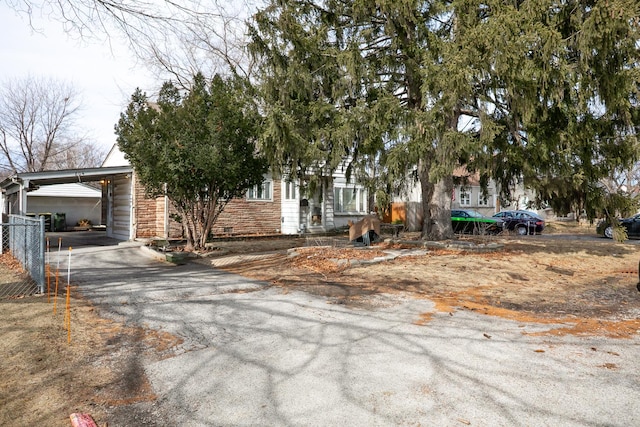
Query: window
347	199
260	192
465	198
289	190
484	200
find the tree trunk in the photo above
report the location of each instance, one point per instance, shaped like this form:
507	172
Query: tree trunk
426	188
440	207
188	226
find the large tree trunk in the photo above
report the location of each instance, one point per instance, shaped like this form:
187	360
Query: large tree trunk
440	207
426	187
439	204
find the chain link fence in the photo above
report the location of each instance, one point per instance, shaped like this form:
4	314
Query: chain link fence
22	257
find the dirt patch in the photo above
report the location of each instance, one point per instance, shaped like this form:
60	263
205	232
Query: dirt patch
588	286
46	378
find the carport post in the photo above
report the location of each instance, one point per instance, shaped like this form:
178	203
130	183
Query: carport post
22	194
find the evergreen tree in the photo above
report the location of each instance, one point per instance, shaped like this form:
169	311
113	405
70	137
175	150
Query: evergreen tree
433	85
197	148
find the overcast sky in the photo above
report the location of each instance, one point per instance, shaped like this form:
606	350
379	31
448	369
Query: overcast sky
104	76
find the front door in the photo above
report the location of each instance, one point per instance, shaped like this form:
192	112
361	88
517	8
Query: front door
290	220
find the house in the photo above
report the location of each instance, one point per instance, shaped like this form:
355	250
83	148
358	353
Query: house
468	194
277	206
73	202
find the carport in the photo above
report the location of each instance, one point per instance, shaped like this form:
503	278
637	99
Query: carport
117	189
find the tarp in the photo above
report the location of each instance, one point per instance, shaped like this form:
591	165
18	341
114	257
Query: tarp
362	227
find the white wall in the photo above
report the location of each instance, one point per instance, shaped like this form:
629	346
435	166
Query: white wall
75	209
121	202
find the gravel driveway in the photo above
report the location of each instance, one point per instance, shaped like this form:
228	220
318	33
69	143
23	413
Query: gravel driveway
254	355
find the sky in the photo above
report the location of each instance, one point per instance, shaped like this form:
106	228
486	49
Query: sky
104	74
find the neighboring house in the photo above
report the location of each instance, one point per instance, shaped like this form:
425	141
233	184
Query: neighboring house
469	194
75	201
407	204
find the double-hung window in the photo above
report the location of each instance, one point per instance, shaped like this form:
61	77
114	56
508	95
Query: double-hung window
260	192
289	190
484	200
465	197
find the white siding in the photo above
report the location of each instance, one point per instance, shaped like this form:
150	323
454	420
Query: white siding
121	208
115	158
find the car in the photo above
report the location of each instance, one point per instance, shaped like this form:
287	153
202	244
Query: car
470	221
631	225
522	222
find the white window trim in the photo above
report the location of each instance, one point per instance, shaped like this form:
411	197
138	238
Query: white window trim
361	200
269	199
290	190
485	202
464	201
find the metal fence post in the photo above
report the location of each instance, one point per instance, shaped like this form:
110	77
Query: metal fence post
41	277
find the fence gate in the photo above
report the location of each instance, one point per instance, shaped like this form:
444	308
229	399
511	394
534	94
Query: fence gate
22	256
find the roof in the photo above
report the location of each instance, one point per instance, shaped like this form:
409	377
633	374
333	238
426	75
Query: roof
66	190
27	179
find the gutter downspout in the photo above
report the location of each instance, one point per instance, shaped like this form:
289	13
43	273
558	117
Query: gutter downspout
166	213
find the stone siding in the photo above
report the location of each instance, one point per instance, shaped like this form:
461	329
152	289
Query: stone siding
242	216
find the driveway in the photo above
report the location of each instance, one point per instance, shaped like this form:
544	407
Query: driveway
257	355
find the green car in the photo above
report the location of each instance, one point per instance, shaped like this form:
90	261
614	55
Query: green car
473	222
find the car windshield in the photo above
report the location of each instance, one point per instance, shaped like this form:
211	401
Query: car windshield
530	214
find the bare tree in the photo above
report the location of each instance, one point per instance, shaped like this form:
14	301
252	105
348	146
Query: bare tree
174	39
37	123
76	155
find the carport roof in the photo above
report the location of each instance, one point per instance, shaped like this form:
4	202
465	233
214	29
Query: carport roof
63	176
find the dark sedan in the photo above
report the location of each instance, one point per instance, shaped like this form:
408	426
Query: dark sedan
631	225
522	222
470	221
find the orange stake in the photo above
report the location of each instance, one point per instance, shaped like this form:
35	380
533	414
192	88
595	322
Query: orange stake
67	315
55	293
66	309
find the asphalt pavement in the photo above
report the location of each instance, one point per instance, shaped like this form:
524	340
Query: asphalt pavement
254	355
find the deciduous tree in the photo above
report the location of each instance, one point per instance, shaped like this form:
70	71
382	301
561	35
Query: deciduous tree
38	129
172	38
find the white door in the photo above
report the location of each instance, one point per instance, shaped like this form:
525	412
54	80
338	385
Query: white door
290	220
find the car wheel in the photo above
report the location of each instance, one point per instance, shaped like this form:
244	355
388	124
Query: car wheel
522	230
608	232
